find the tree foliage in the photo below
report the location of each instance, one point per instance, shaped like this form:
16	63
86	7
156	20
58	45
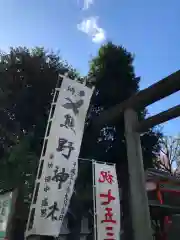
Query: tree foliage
18	167
27	81
168	159
115	81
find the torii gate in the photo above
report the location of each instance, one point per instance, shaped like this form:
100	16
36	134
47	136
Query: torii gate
133	128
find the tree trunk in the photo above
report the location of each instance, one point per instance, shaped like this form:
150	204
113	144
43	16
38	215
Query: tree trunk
75	228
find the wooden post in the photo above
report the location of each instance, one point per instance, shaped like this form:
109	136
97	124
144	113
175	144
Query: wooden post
141	223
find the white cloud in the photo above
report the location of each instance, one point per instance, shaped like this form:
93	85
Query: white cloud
87	4
91	28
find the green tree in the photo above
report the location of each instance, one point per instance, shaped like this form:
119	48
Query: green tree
27	81
18	167
115	81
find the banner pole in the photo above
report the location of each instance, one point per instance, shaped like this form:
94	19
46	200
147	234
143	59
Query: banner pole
94	200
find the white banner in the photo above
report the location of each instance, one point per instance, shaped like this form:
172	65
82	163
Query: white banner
107	202
5	206
61	158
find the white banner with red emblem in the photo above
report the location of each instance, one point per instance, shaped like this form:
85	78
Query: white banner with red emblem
107	202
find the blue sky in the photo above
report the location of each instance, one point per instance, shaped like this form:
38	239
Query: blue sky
149	29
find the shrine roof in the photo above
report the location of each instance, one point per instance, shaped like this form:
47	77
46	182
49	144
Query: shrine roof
159	175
